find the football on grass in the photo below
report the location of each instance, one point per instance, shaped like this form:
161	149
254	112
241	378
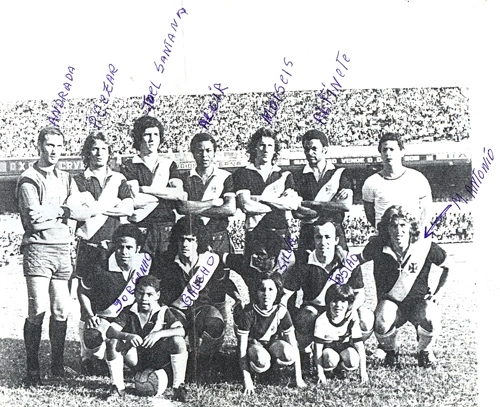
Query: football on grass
151	382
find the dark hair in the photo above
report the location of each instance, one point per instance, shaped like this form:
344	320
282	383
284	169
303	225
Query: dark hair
315	135
390	137
337	292
143	123
391	215
278	281
148	281
190	226
129	230
46	131
262	237
89	144
198	138
256	138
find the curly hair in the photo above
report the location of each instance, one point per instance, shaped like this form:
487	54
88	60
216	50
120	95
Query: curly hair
143	123
256	139
190	226
89	144
315	135
129	230
391	215
200	137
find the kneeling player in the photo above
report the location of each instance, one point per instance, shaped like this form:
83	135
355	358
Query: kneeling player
402	263
265	333
338	342
105	288
149	336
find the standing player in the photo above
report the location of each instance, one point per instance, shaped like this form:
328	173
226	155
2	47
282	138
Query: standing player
153	183
264	192
396	184
149	336
402	264
46	199
314	277
325	190
210	193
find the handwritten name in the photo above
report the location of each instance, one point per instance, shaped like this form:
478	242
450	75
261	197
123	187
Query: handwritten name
149	100
98	110
59	102
284	260
125	300
280	90
323	113
472	189
198	282
342	275
205	123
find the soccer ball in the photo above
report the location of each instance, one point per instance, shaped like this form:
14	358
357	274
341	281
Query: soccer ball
151	382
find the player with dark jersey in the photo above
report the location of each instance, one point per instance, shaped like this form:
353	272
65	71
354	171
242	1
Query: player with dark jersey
210	193
153	183
402	263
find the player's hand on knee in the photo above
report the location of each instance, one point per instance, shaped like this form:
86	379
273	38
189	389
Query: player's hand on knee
134	340
93	322
150	340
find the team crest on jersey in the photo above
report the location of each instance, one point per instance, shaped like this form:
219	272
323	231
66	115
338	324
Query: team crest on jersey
214	189
413	267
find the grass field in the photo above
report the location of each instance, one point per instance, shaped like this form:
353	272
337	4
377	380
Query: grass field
452	383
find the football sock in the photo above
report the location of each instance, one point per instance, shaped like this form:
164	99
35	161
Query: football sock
179	364
32	337
115	367
85	352
426	339
57	335
387	341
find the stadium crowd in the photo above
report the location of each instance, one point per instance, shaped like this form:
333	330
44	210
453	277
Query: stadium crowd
357	117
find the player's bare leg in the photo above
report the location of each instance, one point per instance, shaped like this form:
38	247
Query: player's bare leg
427	319
387	319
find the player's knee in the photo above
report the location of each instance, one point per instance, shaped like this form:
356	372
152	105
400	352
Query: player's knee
176	344
429	316
287	354
384	322
214	327
350	358
366	319
330	359
259	358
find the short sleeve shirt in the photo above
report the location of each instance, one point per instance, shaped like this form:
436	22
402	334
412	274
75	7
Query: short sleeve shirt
406	190
348	331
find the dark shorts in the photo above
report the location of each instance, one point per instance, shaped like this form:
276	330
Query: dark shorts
157	237
87	254
220	242
47	260
408	309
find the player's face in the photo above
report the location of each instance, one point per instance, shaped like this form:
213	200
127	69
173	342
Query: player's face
125	250
266	294
188	246
51	149
325	240
204	154
314	151
391	153
337	310
146	297
399	232
262	260
264	151
150	140
99	155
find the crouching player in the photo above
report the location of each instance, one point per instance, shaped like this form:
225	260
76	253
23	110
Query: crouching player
338	342
265	333
402	263
149	336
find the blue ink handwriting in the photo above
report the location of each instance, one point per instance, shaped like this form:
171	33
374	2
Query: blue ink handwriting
98	110
205	123
280	90
342	275
290	242
322	114
59	102
198	282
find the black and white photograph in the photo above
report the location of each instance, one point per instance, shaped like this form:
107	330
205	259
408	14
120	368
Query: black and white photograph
248	204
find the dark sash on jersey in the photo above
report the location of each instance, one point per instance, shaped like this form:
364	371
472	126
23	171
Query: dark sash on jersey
320	298
273	190
161	176
127	297
411	266
214	188
207	264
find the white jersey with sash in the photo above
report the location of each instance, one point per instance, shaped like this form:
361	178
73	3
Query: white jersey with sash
411	265
273	190
161	176
141	266
206	265
107	200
